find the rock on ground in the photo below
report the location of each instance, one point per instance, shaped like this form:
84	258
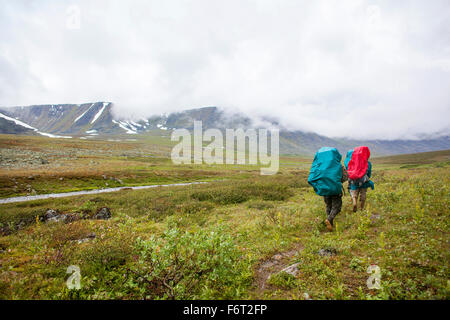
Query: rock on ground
327	252
103	213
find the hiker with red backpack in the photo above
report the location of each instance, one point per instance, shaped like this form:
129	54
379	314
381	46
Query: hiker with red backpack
359	172
326	177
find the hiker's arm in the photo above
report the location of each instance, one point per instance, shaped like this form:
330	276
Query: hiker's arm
369	169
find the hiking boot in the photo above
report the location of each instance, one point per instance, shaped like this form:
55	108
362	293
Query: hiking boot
362	204
329	224
355	207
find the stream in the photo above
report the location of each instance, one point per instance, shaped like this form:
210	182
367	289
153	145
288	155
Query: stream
97	191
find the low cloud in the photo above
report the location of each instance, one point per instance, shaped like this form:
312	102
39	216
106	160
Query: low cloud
355	68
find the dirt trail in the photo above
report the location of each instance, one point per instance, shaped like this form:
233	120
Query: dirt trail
271	266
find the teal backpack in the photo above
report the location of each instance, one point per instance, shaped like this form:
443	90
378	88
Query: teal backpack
326	172
348	158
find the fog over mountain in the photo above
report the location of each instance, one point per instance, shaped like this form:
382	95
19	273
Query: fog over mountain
363	69
96	121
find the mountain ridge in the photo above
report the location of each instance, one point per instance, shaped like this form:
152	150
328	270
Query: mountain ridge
91	120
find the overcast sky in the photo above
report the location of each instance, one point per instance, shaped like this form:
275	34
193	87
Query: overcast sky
357	68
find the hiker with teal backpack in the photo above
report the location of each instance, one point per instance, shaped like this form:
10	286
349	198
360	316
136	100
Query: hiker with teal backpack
326	177
359	171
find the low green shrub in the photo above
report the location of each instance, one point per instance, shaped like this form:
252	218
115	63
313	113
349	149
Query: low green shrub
186	265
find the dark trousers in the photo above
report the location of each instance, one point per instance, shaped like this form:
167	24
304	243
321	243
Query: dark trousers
334	205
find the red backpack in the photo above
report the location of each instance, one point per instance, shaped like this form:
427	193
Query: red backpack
357	167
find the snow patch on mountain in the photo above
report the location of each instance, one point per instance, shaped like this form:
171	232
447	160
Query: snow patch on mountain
23	124
52	135
127	123
18	122
125	126
100	112
135	124
83	113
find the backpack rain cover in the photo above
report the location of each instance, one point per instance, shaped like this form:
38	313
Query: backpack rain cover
357	166
326	172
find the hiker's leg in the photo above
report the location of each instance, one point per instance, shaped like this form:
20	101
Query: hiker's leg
328	204
335	208
362	197
354	194
350	194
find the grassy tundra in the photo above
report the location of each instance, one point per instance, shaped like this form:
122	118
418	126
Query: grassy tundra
227	239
